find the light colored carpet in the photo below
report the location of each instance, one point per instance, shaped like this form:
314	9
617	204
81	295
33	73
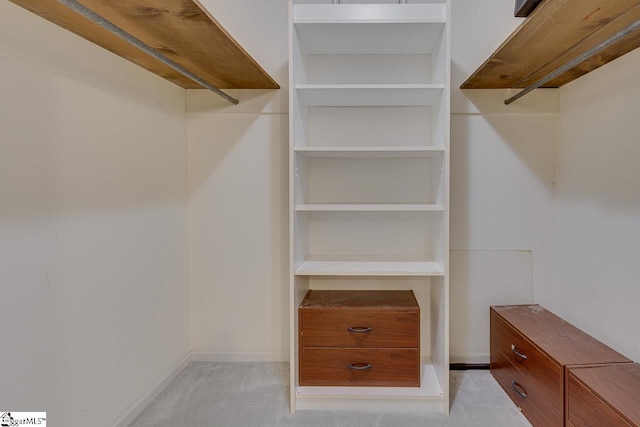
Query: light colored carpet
216	394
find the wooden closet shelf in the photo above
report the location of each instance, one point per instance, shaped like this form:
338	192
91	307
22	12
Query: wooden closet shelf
556	32
182	30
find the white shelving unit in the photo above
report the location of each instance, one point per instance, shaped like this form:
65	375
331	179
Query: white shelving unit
369	175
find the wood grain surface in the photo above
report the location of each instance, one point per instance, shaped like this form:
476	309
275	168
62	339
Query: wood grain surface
330	367
182	30
350	299
556	32
604	395
534	406
386	337
534	348
537	369
369	328
558	339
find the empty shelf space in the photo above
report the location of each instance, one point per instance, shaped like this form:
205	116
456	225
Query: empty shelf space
370	13
370	94
323	266
370	28
370	207
368	151
363	179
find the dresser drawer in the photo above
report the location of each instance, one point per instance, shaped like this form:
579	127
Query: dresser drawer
533	404
359	328
603	395
535	367
587	410
359	367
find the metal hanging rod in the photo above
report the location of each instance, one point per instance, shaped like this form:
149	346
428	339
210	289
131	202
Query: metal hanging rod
577	60
94	17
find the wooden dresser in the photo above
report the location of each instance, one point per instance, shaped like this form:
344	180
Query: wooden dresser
603	396
531	348
359	338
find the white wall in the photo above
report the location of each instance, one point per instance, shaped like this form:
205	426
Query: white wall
502	169
238	169
597	220
238	183
502	175
93	226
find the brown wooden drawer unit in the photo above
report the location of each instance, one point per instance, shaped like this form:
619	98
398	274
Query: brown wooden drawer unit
603	396
530	351
359	338
531	402
389	367
536	368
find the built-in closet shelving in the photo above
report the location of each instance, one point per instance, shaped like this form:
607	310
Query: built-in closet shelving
369	175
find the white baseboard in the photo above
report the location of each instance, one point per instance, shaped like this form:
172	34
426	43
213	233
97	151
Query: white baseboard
139	406
267	356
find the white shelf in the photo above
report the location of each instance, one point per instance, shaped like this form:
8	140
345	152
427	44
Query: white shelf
324	266
369	152
352	95
427	396
369	28
369	207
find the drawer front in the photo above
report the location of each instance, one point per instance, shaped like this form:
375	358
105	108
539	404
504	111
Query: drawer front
533	404
359	328
356	367
584	409
535	367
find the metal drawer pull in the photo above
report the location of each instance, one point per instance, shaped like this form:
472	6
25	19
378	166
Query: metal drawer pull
518	389
518	353
360	366
358	329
